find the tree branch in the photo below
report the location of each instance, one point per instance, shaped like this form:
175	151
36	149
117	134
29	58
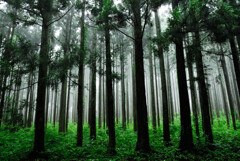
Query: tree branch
59	18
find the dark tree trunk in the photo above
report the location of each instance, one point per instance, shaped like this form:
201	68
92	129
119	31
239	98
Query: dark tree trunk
31	106
93	92
169	89
123	89
100	91
47	103
186	141
27	99
230	96
193	91
42	81
80	104
55	105
109	92
68	99
235	56
134	92
225	104
62	116
104	104
153	108
166	133
203	91
127	104
156	89
142	120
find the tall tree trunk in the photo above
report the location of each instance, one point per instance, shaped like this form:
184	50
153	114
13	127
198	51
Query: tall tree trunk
169	89
109	91
80	104
42	81
93	91
230	96
47	103
186	140
62	116
127	93
142	120
100	91
193	91
166	133
55	105
153	108
203	91
104	104
31	105
225	104
68	99
27	99
5	69
117	95
156	89
122	59
134	91
235	56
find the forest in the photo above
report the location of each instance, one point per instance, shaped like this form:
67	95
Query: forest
119	80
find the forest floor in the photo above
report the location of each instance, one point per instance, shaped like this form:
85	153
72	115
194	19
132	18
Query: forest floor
18	145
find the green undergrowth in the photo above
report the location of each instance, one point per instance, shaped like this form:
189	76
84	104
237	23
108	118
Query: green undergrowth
18	145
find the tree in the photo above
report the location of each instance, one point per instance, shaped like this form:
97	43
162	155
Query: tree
186	141
142	120
166	133
82	53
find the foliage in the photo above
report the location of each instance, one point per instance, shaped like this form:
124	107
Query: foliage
17	145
